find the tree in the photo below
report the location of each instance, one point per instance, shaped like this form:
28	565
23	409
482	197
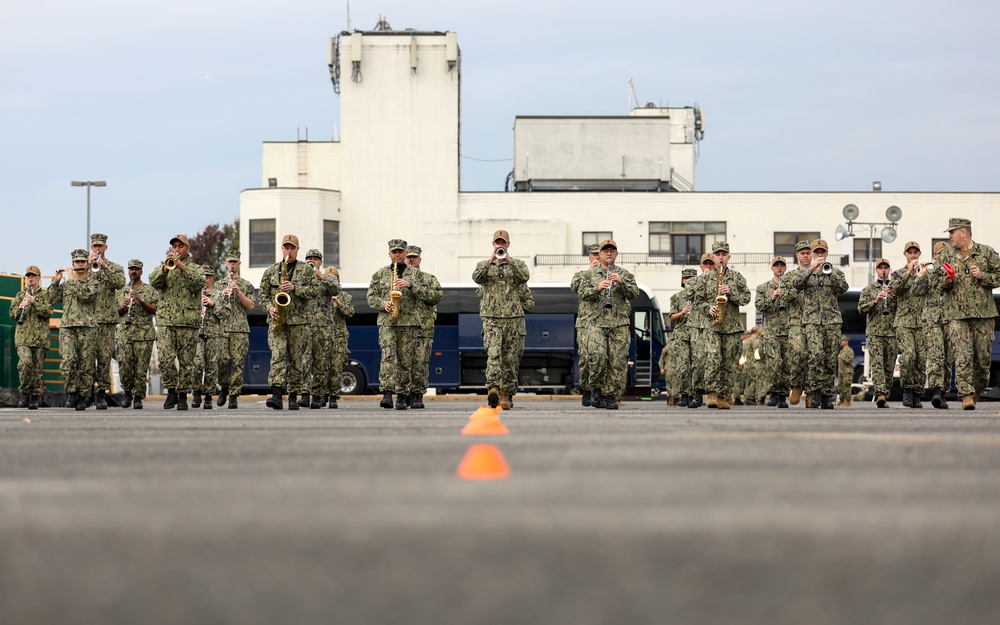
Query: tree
210	246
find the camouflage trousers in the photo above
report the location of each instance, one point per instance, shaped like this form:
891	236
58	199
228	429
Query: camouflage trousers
778	359
235	349
398	368
503	340
584	358
973	342
881	361
798	357
177	343
291	358
845	377
912	358
822	342
722	352
424	345
133	365
104	351
754	380
939	357
31	369
207	361
699	340
76	349
672	383
337	361
680	361
608	348
322	360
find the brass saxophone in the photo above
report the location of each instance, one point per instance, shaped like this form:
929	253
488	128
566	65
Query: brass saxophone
720	298
395	295
281	299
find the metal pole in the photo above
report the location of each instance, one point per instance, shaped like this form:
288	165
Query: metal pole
87	246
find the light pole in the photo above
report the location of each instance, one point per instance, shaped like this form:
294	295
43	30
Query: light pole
88	184
893	214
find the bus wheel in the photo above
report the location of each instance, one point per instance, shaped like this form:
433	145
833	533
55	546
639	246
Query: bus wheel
352	381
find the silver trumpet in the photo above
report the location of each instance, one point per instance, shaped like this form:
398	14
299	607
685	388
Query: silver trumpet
826	268
500	253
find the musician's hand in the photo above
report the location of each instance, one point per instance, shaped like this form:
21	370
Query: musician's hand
724	289
686	309
605	284
816	262
975	272
595	262
272	312
207	301
776	294
617	278
287	286
399	284
387	307
336	300
713	311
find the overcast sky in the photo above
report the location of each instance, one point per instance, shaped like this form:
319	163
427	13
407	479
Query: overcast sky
169	102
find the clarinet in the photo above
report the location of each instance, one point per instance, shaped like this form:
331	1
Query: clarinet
204	309
607	300
131	300
20	319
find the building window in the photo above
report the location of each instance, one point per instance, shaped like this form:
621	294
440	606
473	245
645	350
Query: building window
262	242
684	241
784	242
594	238
867	249
331	243
933	243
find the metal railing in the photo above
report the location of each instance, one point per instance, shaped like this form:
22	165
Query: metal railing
684	259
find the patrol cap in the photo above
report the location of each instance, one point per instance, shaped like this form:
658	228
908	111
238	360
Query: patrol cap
720	246
819	244
98	239
208	271
314	253
501	235
180	237
396	244
32	270
882	261
135	263
707	258
332	271
909	244
79	254
413	250
778	259
958	222
594	248
609	243
940	245
803	245
845	338
688	273
290	238
234	255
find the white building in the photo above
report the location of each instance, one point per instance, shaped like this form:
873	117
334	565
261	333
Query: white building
395	174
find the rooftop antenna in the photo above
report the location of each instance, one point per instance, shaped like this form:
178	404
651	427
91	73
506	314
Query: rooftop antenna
631	96
348	15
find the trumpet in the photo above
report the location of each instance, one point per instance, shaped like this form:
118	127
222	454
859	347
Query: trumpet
95	266
281	299
720	298
170	263
395	295
826	267
500	253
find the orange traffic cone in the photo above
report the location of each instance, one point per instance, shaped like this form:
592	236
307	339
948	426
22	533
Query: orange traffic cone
484	412
487	425
483	462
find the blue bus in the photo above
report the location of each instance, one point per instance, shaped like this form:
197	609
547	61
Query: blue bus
458	360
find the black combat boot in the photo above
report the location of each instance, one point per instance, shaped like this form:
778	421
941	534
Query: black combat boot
816	400
333	402
772	401
610	403
417	400
101	401
23	402
208	403
586	398
401	401
937	400
137	403
782	401
233	403
196	399
322	400
222	396
71	400
171	401
127	399
81	403
696	400
33	402
304	400
826	402
916	399
317	402
182	400
90	399
683	401
907	398
274	401
293	404
386	401
596	398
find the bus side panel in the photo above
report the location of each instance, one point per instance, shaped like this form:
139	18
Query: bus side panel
444	370
364	348
258	364
549	351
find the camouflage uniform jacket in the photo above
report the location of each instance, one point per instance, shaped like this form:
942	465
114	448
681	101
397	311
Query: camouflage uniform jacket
909	305
180	295
77	298
966	297
792	299
589	310
677	303
111	278
819	295
234	315
879	324
34	332
845	360
698	318
933	312
379	293
527	300
320	308
341	312
429	293
213	314
499	296
775	320
620	312
708	289
140	326
307	287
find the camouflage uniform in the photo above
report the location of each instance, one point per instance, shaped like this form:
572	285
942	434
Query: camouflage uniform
821	324
110	279
845	373
338	348
290	343
503	319
970	311
76	330
798	356
777	351
754	370
722	346
681	364
320	313
31	339
208	356
399	369
609	343
698	323
178	317
909	332
236	337
881	335
586	317
428	296
135	340
935	327
671	378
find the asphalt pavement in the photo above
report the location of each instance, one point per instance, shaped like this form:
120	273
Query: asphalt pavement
647	514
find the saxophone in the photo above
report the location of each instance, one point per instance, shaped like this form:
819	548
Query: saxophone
395	295
281	299
720	298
